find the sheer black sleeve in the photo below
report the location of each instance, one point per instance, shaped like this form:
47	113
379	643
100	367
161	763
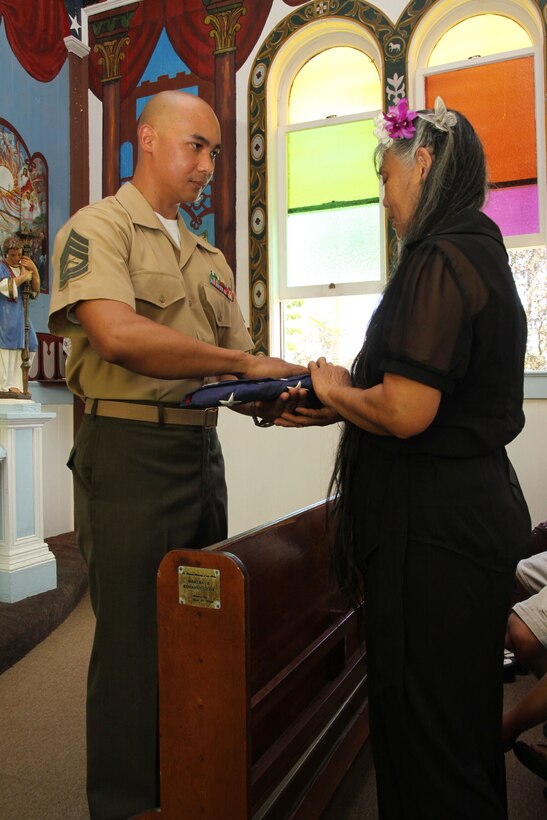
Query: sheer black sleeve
428	336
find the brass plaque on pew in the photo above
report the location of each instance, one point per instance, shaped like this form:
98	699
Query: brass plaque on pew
199	586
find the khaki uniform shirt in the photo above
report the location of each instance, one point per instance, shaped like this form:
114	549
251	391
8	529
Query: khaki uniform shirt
117	249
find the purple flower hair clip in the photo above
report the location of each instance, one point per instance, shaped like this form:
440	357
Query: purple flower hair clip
396	124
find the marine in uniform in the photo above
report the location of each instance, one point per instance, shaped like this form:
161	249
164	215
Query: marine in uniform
150	312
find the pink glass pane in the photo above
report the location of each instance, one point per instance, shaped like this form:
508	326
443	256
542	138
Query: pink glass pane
515	210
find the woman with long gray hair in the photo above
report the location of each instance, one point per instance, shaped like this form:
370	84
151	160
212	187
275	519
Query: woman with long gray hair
428	510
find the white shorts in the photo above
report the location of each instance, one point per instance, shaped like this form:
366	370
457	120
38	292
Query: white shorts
532	572
533	611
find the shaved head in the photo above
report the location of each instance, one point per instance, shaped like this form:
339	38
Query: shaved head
160	111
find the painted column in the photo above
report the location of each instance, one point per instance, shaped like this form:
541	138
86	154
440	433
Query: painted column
79	122
223	17
27	566
111	38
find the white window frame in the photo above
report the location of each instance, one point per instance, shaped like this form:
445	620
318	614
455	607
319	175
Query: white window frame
298	50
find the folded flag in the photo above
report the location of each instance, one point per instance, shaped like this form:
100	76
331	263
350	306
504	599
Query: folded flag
241	391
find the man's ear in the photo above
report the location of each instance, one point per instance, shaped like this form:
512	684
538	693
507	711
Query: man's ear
424	161
146	137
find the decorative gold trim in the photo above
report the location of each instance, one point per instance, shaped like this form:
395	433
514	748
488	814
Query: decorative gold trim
112	55
225	28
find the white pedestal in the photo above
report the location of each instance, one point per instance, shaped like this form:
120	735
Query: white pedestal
27	566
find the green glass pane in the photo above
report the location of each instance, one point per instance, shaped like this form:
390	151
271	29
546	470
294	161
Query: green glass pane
331	165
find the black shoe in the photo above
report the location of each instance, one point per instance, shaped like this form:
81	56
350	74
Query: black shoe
528	756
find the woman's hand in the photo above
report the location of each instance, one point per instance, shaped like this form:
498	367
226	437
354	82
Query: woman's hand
397	406
296	413
308	417
325	376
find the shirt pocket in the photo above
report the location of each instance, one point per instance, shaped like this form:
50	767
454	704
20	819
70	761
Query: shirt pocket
216	306
157	287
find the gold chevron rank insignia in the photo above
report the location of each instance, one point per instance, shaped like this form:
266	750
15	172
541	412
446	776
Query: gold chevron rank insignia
74	260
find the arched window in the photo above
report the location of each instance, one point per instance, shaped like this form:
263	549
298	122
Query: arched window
327	258
490	67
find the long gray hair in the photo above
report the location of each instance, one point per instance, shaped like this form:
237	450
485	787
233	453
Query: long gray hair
457	178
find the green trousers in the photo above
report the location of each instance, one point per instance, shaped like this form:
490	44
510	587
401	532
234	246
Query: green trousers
140	490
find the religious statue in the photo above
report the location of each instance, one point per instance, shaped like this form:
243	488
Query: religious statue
19	281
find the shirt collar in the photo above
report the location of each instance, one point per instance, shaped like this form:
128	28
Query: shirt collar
142	213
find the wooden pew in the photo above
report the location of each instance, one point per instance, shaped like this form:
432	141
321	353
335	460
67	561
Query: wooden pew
262	676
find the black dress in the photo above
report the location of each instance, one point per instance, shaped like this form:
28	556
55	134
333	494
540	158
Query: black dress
440	524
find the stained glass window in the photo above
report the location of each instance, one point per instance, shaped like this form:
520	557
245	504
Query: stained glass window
331	240
333	207
495	96
336	82
478	37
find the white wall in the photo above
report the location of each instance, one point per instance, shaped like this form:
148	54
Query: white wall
273	471
528	454
58	499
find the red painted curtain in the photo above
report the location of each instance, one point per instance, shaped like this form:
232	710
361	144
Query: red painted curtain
35	32
189	36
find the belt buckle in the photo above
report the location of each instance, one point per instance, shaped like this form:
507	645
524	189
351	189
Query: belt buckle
211	416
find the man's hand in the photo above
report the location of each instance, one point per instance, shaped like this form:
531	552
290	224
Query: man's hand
287	402
269	367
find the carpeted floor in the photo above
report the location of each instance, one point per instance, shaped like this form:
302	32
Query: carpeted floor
42	739
26	623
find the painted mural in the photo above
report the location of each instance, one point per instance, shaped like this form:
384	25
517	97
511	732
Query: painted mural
166	71
24	198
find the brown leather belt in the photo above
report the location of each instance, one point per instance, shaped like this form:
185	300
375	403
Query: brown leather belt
154	413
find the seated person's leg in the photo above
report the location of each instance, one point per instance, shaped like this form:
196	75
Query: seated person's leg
526	633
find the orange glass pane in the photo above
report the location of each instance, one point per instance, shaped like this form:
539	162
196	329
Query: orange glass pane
498	99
